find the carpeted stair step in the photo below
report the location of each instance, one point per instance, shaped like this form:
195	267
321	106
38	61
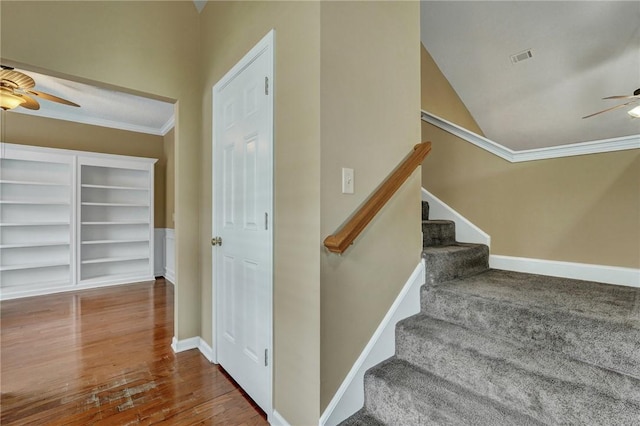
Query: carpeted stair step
438	233
446	263
544	385
592	322
425	210
398	393
361	418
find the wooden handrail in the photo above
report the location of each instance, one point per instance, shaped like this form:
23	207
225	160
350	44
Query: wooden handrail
338	242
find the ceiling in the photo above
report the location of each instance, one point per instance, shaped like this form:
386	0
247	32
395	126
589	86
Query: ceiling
100	106
581	52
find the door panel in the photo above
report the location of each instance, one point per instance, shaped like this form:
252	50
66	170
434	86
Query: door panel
242	208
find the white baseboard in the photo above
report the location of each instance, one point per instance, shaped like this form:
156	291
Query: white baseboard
196	342
580	271
465	230
276	419
184	344
350	395
206	350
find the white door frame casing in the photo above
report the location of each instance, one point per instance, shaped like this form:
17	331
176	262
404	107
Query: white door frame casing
266	46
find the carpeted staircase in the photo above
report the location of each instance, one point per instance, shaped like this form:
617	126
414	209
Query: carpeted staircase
494	347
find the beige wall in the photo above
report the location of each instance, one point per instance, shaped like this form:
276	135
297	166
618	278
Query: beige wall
582	209
229	30
39	131
370	76
170	194
147	47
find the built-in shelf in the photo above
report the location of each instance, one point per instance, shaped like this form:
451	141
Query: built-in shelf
115	209
23	182
139	240
33	223
134	188
114	204
114	259
36	202
71	218
131	222
32	266
37	244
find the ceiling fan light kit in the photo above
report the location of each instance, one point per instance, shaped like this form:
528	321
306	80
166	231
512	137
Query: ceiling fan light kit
635	112
8	100
16	89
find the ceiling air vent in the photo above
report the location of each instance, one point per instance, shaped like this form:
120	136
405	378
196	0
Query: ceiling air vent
522	56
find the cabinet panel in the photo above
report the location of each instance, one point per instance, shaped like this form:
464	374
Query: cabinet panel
138	249
35	171
29	213
95	194
30	192
115	176
23	256
115	269
11	235
114	232
24	281
106	213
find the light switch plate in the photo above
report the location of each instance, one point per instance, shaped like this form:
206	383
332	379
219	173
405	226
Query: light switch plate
347	180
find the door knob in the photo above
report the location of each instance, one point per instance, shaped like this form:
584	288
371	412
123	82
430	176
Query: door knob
216	241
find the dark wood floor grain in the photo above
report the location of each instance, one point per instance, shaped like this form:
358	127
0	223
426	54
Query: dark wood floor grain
103	357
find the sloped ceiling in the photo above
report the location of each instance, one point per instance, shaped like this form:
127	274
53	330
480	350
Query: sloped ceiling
581	52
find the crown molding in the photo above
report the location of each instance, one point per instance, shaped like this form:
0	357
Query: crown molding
158	131
582	148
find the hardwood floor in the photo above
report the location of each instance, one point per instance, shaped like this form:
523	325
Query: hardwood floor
103	357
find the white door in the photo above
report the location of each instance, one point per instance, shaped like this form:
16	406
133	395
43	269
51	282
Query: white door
242	218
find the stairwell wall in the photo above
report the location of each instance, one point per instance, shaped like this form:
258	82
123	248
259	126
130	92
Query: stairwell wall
583	209
369	122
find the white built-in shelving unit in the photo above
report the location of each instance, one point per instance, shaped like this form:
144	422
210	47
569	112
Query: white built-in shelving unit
71	219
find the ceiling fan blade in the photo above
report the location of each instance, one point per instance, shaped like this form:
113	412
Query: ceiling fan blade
52	98
609	109
623	97
29	103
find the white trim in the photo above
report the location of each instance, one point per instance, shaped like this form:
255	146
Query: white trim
84	154
277	420
159	251
169	255
101	122
71	287
349	397
578	271
170	124
465	230
206	350
184	344
582	148
196	342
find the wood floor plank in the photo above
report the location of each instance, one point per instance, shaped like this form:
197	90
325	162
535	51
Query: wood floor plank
103	357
